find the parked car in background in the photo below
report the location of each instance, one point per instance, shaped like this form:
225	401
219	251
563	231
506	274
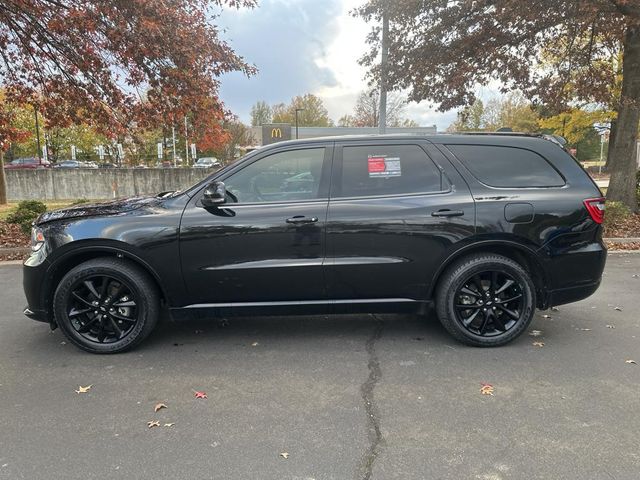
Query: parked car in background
485	228
68	164
89	164
207	162
107	165
27	163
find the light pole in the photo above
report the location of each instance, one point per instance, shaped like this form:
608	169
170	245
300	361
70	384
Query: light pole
382	127
298	110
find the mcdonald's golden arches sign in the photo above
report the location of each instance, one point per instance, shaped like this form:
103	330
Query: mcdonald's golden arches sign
275	132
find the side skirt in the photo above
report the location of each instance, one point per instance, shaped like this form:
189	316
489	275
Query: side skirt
305	307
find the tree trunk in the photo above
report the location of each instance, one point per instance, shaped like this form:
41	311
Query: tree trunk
3	181
622	186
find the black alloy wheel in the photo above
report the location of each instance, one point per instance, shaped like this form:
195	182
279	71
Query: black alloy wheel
106	305
489	303
102	309
485	300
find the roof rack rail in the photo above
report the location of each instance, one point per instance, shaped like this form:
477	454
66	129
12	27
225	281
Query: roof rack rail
557	139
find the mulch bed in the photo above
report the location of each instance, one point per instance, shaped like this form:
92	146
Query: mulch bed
11	235
627	228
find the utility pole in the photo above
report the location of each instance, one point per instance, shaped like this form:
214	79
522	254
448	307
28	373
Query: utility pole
186	142
35	111
298	110
173	135
383	69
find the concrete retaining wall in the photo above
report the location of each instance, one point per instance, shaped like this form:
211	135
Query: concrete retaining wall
70	184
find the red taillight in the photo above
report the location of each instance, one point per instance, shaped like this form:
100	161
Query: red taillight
595	207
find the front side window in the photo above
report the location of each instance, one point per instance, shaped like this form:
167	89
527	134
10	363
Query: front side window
388	170
284	176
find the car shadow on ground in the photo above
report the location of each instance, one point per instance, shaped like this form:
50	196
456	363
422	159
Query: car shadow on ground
248	330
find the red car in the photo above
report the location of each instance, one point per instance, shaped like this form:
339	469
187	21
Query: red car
31	163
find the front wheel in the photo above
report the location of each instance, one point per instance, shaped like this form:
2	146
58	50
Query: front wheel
106	305
485	300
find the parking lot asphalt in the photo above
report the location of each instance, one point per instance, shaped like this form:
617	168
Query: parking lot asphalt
346	397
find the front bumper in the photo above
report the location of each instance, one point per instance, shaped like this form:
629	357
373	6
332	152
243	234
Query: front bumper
36	283
38	315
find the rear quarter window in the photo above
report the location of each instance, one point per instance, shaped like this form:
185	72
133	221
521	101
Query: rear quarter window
501	166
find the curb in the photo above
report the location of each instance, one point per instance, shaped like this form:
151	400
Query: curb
14	250
622	240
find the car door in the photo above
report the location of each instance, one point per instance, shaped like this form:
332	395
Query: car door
266	242
393	213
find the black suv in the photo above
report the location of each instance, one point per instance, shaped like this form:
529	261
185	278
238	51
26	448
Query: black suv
485	227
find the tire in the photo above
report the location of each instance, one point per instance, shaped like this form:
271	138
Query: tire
109	317
487	317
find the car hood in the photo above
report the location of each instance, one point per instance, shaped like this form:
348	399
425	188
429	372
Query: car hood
115	207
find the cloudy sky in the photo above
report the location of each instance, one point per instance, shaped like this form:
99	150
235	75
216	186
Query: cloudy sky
302	46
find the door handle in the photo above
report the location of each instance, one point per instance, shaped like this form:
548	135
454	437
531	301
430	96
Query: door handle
301	219
447	213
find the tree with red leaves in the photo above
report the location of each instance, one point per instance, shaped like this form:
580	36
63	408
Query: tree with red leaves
119	63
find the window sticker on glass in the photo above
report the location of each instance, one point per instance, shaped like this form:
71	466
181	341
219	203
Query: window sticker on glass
383	166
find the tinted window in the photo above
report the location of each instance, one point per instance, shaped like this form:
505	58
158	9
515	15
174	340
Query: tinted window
292	175
507	166
387	170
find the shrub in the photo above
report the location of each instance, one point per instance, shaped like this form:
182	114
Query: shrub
80	201
25	213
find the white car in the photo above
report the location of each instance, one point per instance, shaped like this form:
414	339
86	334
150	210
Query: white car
207	162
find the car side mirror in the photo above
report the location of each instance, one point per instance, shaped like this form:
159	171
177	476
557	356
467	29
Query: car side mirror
215	194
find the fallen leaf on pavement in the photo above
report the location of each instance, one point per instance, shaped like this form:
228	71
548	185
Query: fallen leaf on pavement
618	309
199	394
153	423
546	316
538	344
611	326
535	333
255	344
159	406
486	389
84	389
632	362
284	455
585	329
555	309
169	424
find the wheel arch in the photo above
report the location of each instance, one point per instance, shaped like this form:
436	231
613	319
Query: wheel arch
517	252
80	254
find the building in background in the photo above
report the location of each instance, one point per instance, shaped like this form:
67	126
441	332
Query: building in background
278	132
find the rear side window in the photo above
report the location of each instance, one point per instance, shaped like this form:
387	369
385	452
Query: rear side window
507	166
388	170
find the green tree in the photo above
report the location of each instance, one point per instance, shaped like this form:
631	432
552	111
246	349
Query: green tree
312	112
441	51
470	118
261	113
512	111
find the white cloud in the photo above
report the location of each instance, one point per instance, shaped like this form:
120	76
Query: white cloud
304	46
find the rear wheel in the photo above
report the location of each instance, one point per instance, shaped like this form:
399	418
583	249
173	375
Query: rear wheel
106	305
485	300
